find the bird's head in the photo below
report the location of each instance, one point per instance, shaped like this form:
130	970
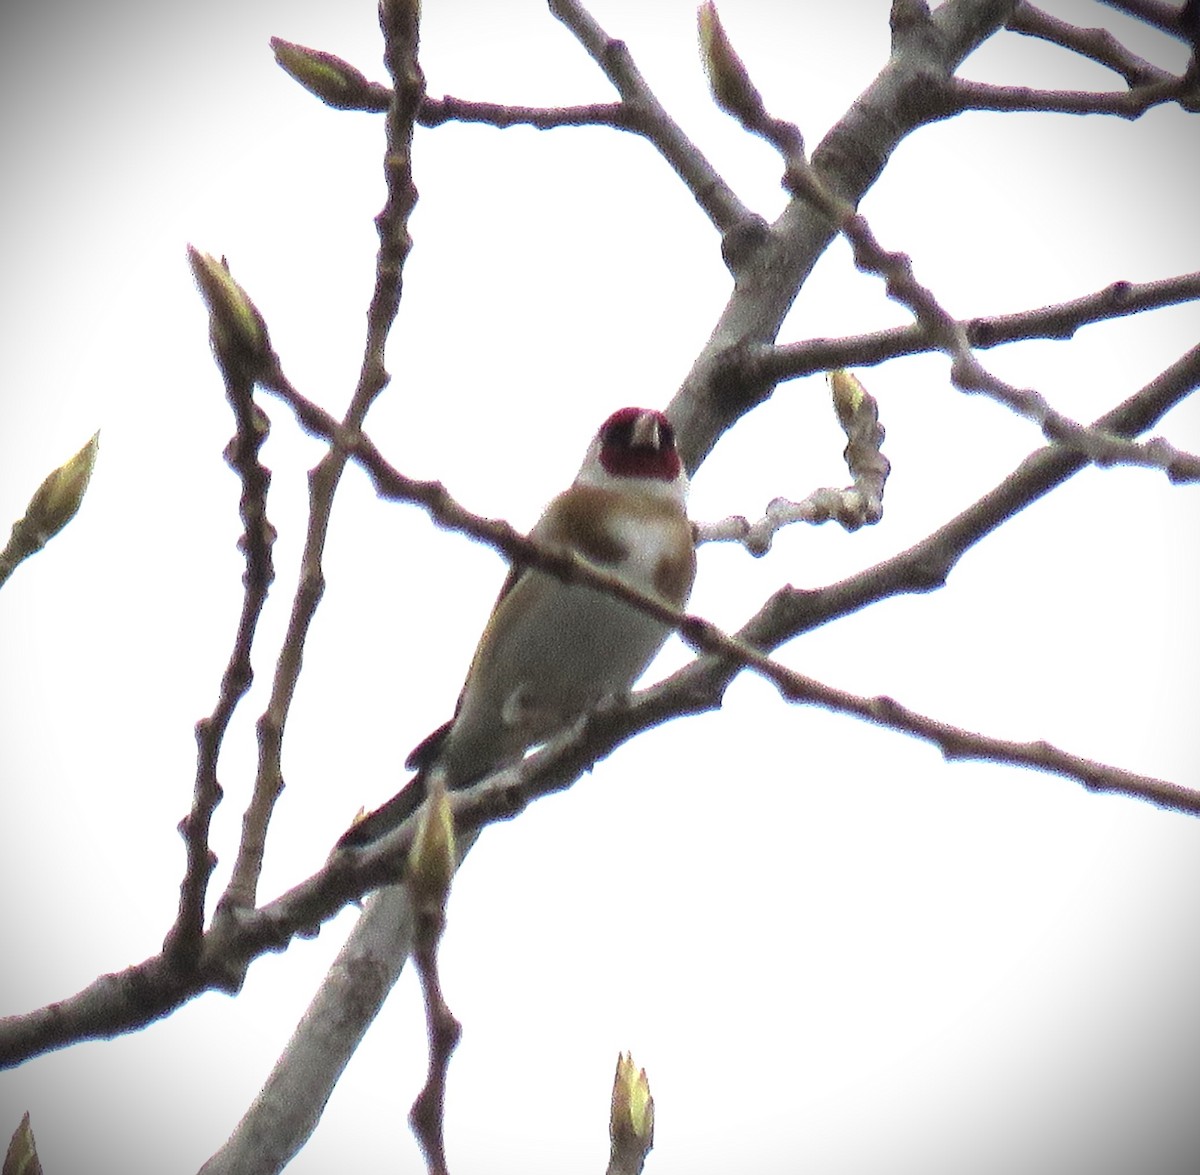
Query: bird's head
634	443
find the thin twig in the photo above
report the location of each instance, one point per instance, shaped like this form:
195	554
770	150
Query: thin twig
1097	44
182	945
859	504
436	111
647	116
1154	12
399	22
966	372
1131	103
1060	321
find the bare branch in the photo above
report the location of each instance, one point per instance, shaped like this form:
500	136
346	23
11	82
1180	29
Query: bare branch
647	116
133	998
1131	104
736	94
398	20
1154	12
860	504
435	111
906	94
705	637
792	360
966	372
182	945
1098	45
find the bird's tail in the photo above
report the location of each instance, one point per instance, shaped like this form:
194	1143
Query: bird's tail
388	815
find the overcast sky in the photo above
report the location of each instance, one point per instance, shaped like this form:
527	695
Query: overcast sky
870	960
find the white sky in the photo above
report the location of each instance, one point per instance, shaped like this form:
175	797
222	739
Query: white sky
930	968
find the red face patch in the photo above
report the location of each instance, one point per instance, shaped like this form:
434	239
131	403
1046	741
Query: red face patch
639	442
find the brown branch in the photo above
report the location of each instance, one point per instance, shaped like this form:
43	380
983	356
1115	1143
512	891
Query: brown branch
1097	44
431	865
1131	104
859	504
1061	321
736	94
399	22
132	998
242	349
116	1003
647	117
341	85
966	372
436	111
1153	12
921	574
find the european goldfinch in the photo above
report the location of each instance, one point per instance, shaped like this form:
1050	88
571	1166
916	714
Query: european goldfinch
552	650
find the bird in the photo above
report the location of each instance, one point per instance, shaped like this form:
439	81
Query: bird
552	650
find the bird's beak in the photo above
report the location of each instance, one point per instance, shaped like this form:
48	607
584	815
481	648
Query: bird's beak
646	432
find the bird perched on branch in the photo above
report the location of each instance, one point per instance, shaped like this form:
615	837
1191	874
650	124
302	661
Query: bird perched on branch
553	650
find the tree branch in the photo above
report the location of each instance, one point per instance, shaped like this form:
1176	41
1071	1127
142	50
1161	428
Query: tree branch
182	945
1098	45
860	504
135	997
398	20
966	372
646	116
736	94
1155	13
384	933
436	111
777	260
1131	104
785	361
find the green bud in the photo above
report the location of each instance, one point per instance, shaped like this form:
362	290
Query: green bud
731	85
52	506
336	82
238	332
22	1156
59	496
433	857
632	1113
848	395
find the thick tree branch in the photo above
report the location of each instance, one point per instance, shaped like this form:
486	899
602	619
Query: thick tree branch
776	260
737	95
